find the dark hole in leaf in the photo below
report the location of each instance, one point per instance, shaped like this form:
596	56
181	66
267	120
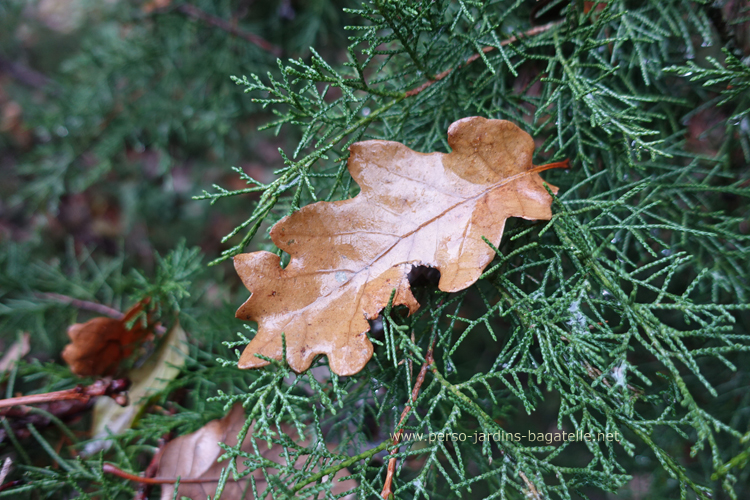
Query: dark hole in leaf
376	327
421	276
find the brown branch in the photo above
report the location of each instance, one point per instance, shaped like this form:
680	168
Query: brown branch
217	22
24	74
82	304
10	484
86	305
388	485
113	388
144	489
531	491
532	32
116	471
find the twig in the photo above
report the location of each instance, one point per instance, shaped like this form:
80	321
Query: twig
24	74
341	465
10	484
83	304
116	471
113	388
86	305
532	493
144	489
388	485
533	31
196	13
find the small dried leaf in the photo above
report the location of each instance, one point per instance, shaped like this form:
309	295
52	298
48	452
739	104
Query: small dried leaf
194	456
98	346
414	209
155	374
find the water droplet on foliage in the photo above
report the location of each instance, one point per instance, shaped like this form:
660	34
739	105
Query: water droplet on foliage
74	122
43	134
577	319
666	252
365	111
449	367
61	131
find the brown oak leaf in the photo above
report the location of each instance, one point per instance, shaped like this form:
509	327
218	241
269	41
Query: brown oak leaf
193	458
414	209
98	346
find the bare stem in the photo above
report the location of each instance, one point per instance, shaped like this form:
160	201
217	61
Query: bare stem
83	304
532	32
79	393
116	471
110	312
217	22
388	484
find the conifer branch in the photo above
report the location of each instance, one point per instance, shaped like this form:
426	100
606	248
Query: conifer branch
194	12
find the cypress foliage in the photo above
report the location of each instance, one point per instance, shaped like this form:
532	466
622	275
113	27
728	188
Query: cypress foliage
626	314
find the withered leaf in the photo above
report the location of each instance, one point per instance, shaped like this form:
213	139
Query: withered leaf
194	456
98	346
414	209
153	376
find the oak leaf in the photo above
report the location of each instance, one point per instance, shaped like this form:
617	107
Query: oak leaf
413	210
193	457
98	346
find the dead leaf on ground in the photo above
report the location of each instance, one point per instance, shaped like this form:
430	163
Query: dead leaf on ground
194	456
16	351
163	366
98	346
414	209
